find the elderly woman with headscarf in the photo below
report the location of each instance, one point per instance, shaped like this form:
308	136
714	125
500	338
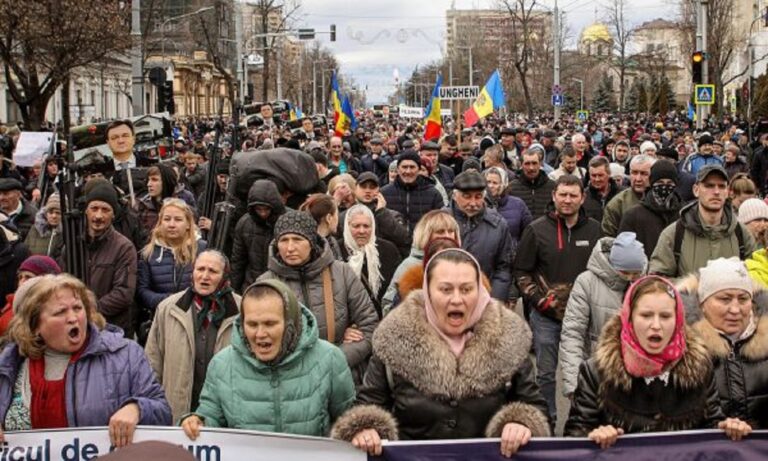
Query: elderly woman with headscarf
372	258
512	208
277	375
329	288
730	312
450	362
189	328
64	368
649	373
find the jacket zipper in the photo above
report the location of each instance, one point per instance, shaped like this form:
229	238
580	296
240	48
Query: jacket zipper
74	393
278	413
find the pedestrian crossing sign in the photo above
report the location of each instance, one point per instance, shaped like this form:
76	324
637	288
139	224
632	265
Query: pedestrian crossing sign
704	95
582	115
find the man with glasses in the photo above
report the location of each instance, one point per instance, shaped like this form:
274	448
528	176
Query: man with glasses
128	178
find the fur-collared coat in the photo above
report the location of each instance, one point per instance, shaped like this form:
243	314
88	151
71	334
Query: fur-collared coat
415	387
608	395
741	367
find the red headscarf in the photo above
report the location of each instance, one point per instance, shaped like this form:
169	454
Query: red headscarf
637	361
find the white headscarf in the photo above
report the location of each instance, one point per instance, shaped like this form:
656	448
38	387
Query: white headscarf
368	253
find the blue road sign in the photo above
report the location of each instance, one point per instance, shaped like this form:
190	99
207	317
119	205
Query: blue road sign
558	100
704	95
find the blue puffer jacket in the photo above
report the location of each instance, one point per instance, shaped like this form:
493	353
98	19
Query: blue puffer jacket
160	276
111	372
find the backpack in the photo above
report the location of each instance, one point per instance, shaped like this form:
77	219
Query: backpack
680	233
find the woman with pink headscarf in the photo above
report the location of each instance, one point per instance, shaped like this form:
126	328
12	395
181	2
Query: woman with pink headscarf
448	363
648	373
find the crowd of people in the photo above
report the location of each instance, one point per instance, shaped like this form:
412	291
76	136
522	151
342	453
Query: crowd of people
377	285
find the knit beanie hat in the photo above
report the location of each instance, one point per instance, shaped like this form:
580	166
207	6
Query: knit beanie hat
299	223
485	143
54	202
40	265
663	170
471	162
723	274
648	145
409	155
628	254
103	191
706	139
752	209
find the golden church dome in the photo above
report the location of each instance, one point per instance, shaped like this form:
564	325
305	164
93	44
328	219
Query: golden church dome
595	33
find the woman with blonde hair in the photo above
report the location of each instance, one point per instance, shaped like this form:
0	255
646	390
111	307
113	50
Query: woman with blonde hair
434	224
165	264
62	369
342	189
325	211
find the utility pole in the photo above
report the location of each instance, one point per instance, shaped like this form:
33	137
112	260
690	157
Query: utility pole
314	87
556	76
239	61
701	45
137	69
279	56
471	69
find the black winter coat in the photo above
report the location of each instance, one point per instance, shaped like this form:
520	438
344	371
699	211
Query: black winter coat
608	395
550	250
390	226
594	203
252	236
741	367
12	253
433	394
648	220
537	195
412	200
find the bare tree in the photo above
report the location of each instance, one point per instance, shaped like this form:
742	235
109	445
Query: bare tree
622	35
269	34
42	41
525	24
216	41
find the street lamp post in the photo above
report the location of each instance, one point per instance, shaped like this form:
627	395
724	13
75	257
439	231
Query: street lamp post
581	92
176	18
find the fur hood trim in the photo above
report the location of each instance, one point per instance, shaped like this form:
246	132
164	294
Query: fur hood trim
689	373
756	346
412	349
413	279
363	417
521	413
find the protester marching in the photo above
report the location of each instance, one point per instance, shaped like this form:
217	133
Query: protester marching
370	278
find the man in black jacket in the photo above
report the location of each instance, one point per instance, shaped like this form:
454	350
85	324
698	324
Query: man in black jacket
553	251
533	185
411	194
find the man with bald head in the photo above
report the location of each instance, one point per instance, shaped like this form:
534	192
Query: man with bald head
343	161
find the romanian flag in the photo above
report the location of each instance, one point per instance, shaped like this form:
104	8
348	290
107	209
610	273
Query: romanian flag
335	98
491	98
346	119
433	121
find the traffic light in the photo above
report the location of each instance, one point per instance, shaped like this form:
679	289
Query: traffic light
170	105
333	32
697	67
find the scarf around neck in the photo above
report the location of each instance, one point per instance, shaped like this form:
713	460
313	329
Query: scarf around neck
637	361
368	254
456	342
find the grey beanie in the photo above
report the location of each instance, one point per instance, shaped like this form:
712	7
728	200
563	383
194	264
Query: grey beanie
628	254
296	222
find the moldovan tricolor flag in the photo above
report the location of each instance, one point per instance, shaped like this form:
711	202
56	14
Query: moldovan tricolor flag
346	119
335	98
433	120
491	98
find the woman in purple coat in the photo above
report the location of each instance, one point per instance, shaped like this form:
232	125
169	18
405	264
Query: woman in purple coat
513	209
62	368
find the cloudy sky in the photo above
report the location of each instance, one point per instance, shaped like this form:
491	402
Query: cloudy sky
375	37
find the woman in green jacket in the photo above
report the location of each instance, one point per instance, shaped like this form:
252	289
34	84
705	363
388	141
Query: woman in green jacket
277	375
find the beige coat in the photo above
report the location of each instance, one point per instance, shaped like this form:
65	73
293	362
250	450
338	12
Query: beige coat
171	349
